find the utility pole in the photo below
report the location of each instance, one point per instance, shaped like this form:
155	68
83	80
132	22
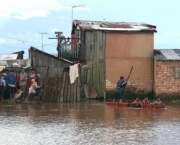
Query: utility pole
76	7
42	33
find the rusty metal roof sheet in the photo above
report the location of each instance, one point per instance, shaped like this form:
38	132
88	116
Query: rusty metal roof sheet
167	54
113	26
8	56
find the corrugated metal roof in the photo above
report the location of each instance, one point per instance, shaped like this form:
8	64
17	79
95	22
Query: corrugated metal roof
17	63
113	26
167	54
8	56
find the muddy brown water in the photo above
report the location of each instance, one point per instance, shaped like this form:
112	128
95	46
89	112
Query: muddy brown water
87	123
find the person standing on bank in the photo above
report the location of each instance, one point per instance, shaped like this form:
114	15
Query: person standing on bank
17	80
11	82
2	87
32	75
23	82
120	84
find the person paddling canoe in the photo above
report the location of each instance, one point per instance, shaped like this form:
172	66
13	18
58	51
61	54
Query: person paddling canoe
120	84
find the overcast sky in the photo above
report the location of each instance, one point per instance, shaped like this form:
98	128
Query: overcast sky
22	21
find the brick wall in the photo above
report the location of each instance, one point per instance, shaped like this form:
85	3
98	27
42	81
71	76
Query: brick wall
166	80
124	50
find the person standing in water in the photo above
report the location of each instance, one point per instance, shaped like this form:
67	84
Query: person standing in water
120	84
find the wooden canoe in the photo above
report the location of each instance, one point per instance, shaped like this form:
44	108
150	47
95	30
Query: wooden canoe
152	106
129	105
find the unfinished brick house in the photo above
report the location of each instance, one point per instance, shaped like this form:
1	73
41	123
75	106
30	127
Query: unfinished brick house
110	49
167	72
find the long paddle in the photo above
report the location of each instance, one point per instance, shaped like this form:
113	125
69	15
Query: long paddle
127	80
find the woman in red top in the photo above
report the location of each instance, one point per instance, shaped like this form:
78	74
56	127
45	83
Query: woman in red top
145	101
136	103
17	80
32	75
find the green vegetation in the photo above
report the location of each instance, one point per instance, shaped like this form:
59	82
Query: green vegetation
176	101
97	78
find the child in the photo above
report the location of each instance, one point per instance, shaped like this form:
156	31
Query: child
136	103
145	101
32	75
32	89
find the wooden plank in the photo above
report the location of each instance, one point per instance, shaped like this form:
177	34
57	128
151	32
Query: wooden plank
62	89
74	91
71	92
47	90
78	89
62	99
44	89
66	87
68	94
52	90
59	89
55	87
69	89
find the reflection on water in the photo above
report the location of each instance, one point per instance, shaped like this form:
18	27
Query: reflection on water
87	123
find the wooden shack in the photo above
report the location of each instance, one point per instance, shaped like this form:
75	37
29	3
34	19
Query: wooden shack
110	49
56	82
48	65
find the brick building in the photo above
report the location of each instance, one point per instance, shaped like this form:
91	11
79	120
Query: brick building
110	49
167	72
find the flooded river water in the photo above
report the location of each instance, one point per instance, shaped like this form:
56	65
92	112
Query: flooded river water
87	123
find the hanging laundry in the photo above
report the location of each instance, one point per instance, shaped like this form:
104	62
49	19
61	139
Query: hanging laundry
73	72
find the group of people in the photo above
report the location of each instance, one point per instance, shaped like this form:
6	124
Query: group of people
138	103
121	84
22	84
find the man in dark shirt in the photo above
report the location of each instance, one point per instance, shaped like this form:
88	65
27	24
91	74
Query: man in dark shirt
120	84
